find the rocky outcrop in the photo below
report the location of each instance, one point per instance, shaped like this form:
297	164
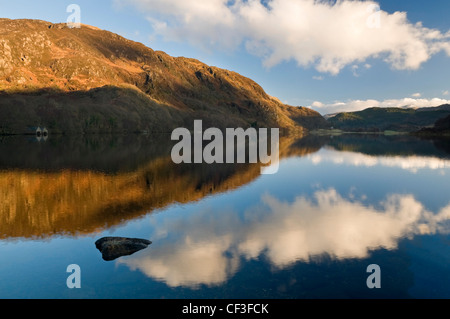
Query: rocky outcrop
115	247
63	68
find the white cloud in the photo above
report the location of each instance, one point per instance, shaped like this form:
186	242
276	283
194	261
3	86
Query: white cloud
354	69
317	104
417	95
322	34
358	105
445	93
318	78
207	248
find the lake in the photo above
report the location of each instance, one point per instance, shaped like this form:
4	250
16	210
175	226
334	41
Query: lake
337	205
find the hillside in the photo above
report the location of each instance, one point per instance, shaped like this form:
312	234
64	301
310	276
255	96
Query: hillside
385	119
89	80
440	128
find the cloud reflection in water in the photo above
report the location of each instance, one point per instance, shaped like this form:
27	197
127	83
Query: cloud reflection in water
409	163
207	247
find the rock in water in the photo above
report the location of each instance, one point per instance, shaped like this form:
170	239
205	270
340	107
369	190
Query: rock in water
115	247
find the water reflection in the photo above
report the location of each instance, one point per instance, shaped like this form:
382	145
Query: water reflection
412	163
208	247
72	186
51	192
391	145
336	205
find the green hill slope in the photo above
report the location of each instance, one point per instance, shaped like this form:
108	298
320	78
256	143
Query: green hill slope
389	119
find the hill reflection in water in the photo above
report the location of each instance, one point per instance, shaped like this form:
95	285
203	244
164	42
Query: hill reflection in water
70	187
336	205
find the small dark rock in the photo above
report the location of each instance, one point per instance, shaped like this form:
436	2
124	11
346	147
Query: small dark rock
115	247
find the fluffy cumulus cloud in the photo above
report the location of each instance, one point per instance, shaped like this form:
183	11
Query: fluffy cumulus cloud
358	105
328	35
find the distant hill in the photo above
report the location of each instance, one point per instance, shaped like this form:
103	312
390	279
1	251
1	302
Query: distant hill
441	128
88	80
385	119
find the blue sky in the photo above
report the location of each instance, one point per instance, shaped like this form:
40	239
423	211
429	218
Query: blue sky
331	57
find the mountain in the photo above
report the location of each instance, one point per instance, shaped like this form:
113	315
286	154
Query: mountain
87	80
384	119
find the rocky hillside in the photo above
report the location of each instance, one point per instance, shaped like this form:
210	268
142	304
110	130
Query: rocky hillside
385	119
90	80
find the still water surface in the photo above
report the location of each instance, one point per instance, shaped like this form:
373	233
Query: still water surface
337	205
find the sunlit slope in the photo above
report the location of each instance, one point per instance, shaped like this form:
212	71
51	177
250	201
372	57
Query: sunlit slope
91	80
